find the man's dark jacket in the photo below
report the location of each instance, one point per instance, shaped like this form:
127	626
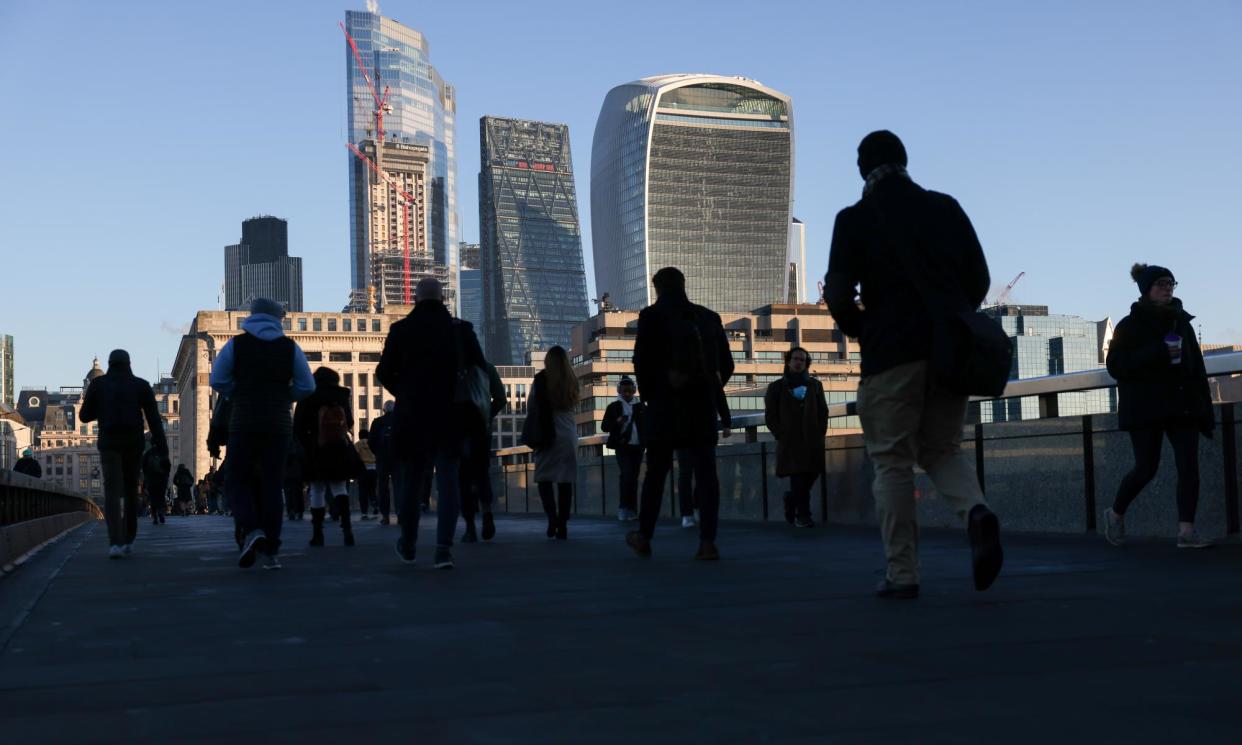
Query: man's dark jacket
28	466
379	438
419	367
619	435
119	401
684	417
1151	390
944	255
184	481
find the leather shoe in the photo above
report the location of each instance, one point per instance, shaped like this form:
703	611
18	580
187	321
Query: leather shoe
707	552
639	542
895	591
985	549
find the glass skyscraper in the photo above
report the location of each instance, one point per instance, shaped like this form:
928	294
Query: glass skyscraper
1050	344
530	243
260	266
421	110
470	288
7	391
693	171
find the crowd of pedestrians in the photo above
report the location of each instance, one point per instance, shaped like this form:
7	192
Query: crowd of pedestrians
906	275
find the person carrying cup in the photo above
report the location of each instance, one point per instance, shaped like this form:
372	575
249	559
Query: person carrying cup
1163	392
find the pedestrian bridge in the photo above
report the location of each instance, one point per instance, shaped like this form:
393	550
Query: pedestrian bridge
531	641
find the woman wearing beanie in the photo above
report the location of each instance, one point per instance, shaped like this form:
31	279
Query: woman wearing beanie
797	415
1163	391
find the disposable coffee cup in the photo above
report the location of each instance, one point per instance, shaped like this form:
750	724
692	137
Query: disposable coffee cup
1174	343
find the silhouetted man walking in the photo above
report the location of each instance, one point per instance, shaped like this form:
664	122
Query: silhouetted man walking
897	236
262	372
682	362
120	401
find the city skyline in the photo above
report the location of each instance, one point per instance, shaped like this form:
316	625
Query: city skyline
1063	146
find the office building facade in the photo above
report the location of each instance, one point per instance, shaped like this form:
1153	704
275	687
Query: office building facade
8	393
795	282
693	171
470	288
260	266
530	243
420	110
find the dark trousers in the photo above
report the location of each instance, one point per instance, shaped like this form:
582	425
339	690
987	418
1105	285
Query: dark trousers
119	468
295	500
366	490
256	472
383	487
476	482
685	482
558	508
659	463
629	461
1184	437
413	484
800	492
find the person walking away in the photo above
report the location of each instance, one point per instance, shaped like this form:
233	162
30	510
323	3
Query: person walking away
1162	390
476	466
623	422
550	432
28	466
682	363
294	483
366	480
119	401
419	366
687	496
262	372
897	236
183	480
796	414
155	474
379	438
321	426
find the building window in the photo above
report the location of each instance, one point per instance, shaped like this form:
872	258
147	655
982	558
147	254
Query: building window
378	401
332	324
286	323
368	356
301	324
316	324
348	324
362	378
314	356
349	380
375	325
362	403
340	357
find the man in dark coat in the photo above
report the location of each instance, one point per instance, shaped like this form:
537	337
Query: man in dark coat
897	237
623	421
262	372
120	401
329	464
682	362
155	482
419	366
476	467
183	482
28	466
379	437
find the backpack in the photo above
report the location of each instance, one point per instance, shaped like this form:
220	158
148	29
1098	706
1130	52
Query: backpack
686	364
332	427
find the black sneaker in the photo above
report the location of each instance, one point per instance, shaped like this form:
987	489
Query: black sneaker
639	542
804	522
893	591
404	552
489	526
789	508
551	528
444	559
255	543
985	549
469	536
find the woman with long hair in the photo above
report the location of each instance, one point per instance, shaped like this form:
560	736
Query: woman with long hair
550	432
1162	391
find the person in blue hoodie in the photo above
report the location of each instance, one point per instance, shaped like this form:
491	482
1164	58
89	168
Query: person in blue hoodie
262	372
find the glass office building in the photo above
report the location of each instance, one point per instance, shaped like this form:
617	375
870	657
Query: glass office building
470	288
1050	344
693	171
530	244
421	110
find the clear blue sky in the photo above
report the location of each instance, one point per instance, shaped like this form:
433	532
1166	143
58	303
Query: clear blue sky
1080	137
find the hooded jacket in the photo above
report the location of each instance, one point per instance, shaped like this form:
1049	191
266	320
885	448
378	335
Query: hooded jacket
1151	390
262	372
119	401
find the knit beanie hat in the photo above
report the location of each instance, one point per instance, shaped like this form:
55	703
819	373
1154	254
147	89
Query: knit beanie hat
1145	275
267	307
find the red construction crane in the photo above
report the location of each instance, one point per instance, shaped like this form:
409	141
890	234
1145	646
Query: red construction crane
381	102
408	201
1001	298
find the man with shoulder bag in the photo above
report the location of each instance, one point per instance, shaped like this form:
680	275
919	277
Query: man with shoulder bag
906	276
623	422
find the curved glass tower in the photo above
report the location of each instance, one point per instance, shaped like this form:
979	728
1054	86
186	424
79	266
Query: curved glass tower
693	171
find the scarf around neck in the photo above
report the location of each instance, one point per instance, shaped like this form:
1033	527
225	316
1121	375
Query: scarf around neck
879	173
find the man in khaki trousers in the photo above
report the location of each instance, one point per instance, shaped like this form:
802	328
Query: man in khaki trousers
896	236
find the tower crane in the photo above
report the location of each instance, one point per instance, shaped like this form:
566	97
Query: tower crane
1001	298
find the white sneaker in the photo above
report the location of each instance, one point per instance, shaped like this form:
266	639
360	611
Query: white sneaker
115	552
271	562
623	514
127	549
687	522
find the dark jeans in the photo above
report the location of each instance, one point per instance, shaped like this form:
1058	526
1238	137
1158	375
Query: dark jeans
120	468
629	461
366	490
413	488
476	482
256	472
685	482
800	492
384	486
659	462
1184	437
295	500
